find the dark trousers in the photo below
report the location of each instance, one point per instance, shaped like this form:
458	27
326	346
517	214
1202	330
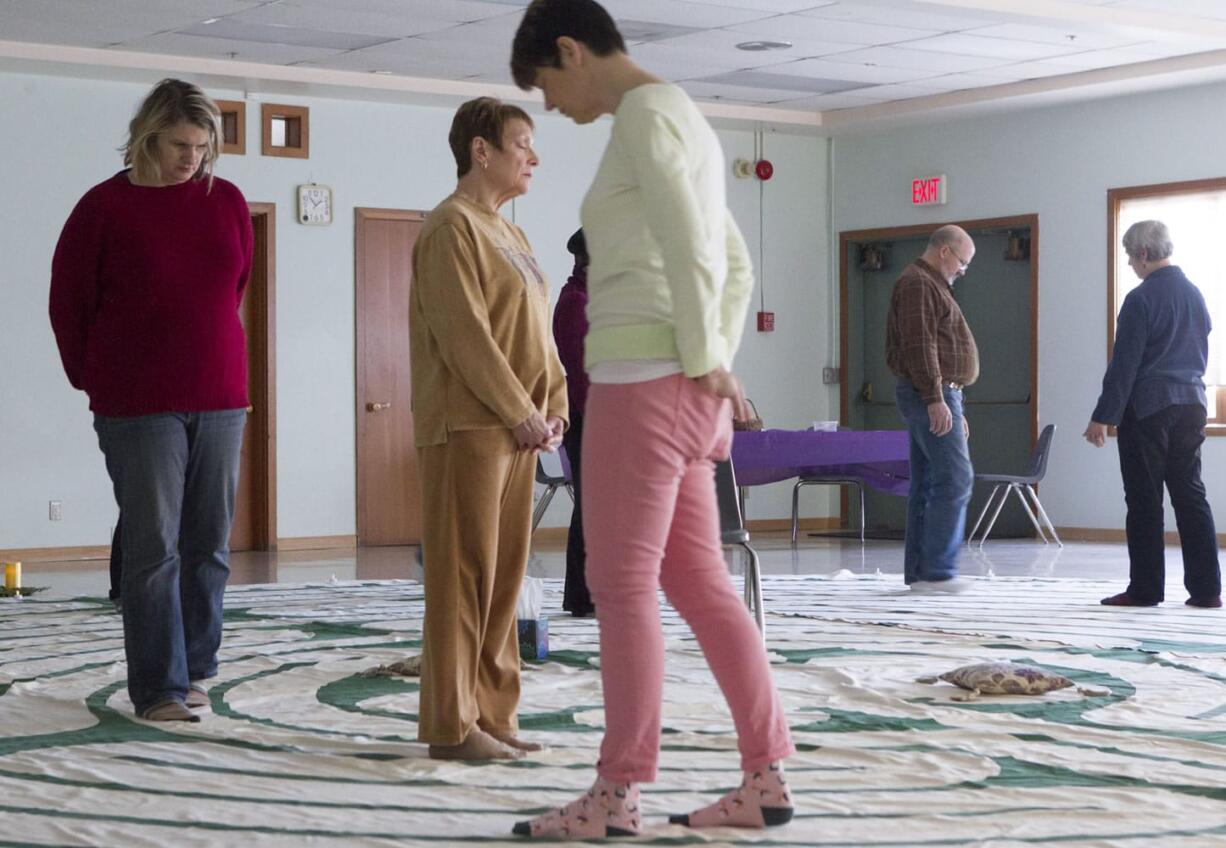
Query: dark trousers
575	597
1164	448
116	561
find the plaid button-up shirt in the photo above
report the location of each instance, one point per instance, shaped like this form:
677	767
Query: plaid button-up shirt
927	340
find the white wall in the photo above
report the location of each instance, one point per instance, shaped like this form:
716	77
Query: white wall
1057	162
58	136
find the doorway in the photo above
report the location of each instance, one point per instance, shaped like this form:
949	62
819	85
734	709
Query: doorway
999	296
255	504
388	489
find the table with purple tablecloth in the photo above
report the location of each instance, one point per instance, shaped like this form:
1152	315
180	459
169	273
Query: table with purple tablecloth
879	458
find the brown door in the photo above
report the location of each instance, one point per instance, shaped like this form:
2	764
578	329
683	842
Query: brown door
388	494
255	524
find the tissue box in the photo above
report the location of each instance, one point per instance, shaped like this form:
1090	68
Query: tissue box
533	639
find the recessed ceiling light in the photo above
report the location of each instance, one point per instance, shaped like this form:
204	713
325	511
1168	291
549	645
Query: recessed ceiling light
382	72
757	46
210	21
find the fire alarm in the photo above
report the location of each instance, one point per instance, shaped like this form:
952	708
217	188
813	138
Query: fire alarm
742	169
764	169
766	322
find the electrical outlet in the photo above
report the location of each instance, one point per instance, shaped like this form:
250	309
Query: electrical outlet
830	376
55	510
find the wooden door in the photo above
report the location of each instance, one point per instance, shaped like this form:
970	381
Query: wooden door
255	520
388	493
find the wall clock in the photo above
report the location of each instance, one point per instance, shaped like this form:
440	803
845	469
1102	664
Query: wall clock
314	204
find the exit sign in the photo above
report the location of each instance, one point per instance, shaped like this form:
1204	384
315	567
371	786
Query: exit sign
929	191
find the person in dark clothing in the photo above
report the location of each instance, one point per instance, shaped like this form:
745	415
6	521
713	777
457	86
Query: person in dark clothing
1154	393
116	568
569	330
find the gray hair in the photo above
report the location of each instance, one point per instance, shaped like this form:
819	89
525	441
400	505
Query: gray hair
1151	236
170	103
950	236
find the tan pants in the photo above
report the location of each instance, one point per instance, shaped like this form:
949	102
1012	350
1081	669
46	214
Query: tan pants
477	511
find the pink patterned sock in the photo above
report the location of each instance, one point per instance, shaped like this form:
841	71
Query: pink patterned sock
762	800
607	809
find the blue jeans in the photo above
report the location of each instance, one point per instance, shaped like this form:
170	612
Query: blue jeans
175	477
941	482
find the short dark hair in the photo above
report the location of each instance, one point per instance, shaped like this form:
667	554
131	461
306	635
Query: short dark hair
576	245
545	21
485	117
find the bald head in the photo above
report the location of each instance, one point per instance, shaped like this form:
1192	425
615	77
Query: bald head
950	249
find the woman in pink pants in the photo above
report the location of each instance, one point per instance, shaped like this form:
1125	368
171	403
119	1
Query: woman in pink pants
669	287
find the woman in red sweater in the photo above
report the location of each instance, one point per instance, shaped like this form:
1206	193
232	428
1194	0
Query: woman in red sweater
145	286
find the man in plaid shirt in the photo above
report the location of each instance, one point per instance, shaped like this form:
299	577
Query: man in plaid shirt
929	347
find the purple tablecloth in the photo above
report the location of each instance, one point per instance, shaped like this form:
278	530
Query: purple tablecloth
877	457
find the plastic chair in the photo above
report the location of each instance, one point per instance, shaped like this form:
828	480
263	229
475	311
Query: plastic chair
815	480
1027	483
552	484
733	534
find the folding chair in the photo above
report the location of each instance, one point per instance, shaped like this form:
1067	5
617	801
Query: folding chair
818	479
733	534
1020	483
552	484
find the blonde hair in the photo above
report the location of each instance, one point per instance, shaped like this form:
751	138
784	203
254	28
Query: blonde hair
170	103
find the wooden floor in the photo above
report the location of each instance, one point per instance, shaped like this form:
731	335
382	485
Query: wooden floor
823	555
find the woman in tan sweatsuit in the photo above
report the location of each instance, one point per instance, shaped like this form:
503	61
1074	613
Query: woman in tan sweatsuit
488	394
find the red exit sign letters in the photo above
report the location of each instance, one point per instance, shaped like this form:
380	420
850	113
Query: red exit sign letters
928	191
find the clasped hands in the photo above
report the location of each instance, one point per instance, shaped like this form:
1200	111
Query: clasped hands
537	433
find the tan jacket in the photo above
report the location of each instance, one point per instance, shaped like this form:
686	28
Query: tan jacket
482	354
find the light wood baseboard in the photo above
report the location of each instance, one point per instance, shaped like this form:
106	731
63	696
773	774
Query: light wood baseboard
73	554
1105	534
316	543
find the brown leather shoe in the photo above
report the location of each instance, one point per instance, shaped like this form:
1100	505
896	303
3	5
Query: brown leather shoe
1212	602
1123	599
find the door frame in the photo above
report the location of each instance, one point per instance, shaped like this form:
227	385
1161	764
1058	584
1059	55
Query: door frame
262	346
846	237
361	215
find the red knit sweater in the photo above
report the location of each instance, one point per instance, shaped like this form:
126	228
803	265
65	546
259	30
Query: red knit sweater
145	288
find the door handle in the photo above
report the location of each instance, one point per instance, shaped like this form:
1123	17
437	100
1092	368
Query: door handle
378	407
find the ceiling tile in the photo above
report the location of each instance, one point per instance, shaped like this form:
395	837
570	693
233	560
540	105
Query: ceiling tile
719	46
1195	8
1003	48
1069	35
825	69
419	57
492	33
456	11
220	48
901	13
926	60
99	25
707	90
682	13
959	82
898	91
821	29
781	82
824	102
234	29
336	19
777	6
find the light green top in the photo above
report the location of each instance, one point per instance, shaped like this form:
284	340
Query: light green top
670	276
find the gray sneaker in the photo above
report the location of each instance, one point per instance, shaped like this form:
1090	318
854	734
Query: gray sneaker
952	586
